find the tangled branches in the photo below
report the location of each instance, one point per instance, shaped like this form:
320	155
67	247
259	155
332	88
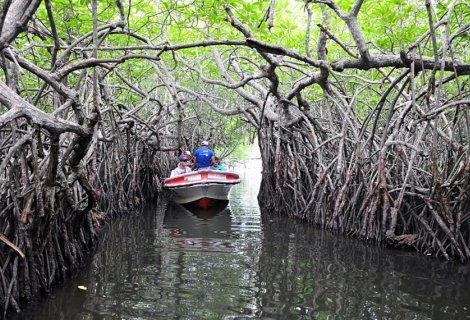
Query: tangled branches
397	172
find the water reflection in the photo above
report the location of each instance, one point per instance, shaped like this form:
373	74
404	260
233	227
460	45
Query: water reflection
171	262
315	274
196	229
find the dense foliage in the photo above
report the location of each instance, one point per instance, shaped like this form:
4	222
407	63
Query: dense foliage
360	109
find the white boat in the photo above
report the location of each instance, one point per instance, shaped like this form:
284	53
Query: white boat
203	187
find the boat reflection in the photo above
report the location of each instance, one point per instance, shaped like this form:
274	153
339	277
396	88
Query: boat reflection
191	228
206	213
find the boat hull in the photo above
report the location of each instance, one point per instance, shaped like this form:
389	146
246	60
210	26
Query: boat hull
190	194
204	188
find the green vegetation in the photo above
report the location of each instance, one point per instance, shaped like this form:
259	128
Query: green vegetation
360	110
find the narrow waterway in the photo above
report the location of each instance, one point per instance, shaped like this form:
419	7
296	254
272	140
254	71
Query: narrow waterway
236	263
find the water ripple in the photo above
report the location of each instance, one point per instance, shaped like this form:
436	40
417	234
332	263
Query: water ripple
236	263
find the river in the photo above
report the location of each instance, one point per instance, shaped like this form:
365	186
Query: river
235	263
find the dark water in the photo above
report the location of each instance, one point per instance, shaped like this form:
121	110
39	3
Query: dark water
171	263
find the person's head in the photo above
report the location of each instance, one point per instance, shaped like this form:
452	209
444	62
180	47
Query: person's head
217	160
204	143
188	153
183	159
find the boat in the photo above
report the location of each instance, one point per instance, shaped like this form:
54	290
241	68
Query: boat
203	188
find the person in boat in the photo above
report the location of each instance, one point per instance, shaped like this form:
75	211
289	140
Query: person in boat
183	166
203	157
218	165
190	160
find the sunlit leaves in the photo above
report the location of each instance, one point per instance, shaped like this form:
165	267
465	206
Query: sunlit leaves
388	27
393	25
